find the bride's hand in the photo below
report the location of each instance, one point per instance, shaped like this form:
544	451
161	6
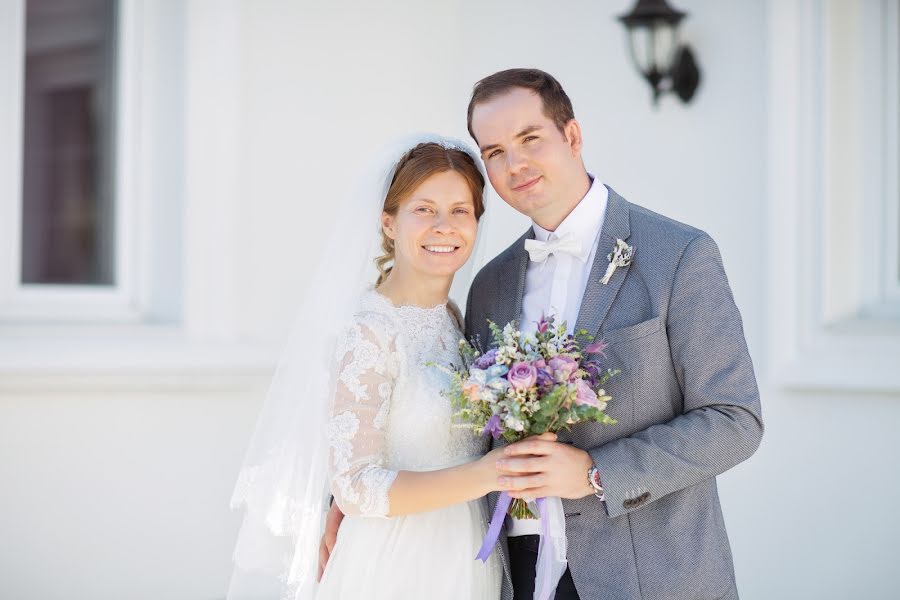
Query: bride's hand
488	462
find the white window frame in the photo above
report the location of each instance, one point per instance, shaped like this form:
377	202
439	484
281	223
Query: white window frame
890	48
138	107
179	326
833	201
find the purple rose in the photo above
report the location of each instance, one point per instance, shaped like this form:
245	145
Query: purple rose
584	395
522	375
487	359
563	368
494	427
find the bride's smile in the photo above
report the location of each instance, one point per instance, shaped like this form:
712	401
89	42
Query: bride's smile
434	249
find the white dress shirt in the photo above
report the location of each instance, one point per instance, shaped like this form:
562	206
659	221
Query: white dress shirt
556	286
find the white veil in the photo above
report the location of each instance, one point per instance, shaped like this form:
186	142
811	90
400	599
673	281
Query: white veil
283	483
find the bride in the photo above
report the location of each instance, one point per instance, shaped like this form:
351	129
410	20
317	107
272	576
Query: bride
370	418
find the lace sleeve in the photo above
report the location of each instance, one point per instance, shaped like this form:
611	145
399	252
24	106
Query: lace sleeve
366	374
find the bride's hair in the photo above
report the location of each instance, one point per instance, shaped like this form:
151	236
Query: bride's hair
414	167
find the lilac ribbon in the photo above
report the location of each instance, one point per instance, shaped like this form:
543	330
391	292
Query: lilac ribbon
544	587
551	555
493	532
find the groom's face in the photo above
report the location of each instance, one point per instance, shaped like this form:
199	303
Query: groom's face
529	161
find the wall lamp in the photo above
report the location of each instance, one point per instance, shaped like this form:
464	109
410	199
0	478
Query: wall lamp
656	50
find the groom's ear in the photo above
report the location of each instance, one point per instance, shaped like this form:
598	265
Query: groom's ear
387	225
573	136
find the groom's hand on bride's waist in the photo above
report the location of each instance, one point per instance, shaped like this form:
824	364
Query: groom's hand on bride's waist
326	545
535	468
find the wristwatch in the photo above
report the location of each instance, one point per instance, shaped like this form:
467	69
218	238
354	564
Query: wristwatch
594	480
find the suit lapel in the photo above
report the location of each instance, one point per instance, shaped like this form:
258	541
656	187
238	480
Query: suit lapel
511	284
599	297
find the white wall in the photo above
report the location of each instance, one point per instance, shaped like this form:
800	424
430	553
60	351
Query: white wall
117	485
323	86
814	513
111	494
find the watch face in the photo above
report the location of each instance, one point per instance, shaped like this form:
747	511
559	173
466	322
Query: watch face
595	479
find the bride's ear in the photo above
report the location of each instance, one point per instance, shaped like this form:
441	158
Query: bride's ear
387	225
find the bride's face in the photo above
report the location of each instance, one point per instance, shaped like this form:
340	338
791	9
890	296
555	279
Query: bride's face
434	228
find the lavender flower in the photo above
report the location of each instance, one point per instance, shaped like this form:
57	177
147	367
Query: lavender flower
487	359
592	372
494	427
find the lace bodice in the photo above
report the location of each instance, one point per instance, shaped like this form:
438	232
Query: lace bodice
388	413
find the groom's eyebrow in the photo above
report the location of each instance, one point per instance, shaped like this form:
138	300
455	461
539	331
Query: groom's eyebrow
523	133
529	129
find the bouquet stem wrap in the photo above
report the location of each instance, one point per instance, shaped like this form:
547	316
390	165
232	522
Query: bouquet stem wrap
551	560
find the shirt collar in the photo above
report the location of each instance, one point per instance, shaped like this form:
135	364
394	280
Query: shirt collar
585	220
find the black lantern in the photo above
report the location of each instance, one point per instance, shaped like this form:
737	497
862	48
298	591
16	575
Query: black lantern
656	51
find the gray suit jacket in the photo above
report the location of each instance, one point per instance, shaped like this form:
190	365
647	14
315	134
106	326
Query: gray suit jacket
686	402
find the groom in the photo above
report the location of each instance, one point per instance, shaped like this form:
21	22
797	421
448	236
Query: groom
642	512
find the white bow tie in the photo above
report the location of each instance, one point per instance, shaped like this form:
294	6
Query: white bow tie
539	251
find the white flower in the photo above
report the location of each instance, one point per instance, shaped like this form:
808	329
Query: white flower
621	256
514	423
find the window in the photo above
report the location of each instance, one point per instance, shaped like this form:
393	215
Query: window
834	198
165	194
91	161
67	204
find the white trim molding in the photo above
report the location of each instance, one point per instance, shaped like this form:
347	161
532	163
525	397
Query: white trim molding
12	69
126	358
833	198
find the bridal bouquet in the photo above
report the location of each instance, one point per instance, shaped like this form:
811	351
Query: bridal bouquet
529	384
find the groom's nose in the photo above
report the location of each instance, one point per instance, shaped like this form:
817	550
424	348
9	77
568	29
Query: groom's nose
515	161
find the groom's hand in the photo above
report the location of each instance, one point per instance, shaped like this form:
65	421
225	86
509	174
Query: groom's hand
536	468
332	524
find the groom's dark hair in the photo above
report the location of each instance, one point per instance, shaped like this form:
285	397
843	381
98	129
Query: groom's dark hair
557	106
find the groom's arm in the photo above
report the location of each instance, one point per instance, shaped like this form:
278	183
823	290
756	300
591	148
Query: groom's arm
721	425
468	316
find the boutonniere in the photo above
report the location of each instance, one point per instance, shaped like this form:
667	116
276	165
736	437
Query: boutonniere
620	257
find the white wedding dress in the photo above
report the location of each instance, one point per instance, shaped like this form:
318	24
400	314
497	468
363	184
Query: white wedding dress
389	415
